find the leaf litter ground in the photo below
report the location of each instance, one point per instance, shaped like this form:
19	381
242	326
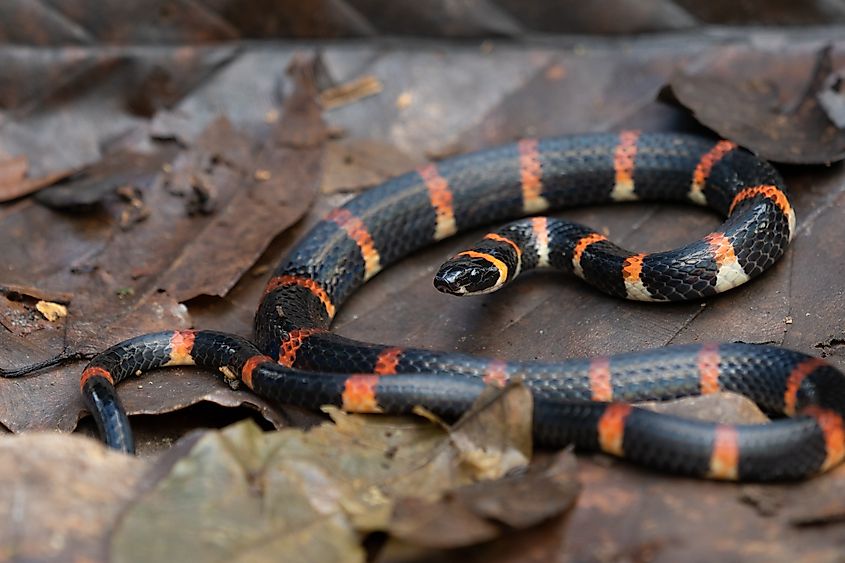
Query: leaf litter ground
239	134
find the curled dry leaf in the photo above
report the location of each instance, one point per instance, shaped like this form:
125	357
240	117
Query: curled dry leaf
310	495
766	102
494	437
479	512
24	291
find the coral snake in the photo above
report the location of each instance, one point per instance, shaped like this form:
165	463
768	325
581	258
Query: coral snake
585	402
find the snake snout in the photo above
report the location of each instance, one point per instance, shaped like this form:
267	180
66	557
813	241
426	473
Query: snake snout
467	276
450	280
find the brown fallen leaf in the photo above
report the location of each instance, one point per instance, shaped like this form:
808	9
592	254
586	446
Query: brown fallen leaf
766	102
229	482
627	514
482	511
304	127
494	437
229	244
14	290
309	495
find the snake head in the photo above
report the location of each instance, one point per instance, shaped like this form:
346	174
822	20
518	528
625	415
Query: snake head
470	273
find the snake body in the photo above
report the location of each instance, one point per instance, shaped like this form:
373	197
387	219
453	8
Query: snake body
585	402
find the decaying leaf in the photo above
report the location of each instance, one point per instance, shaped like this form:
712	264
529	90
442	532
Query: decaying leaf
94	183
214	260
494	437
479	512
312	495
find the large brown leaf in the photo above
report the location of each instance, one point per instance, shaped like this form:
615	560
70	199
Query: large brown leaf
766	101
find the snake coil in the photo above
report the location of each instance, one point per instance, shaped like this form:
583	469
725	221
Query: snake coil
585	402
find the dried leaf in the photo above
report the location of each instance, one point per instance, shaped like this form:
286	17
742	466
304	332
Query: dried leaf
226	500
478	512
741	94
307	495
15	290
216	258
494	437
119	278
